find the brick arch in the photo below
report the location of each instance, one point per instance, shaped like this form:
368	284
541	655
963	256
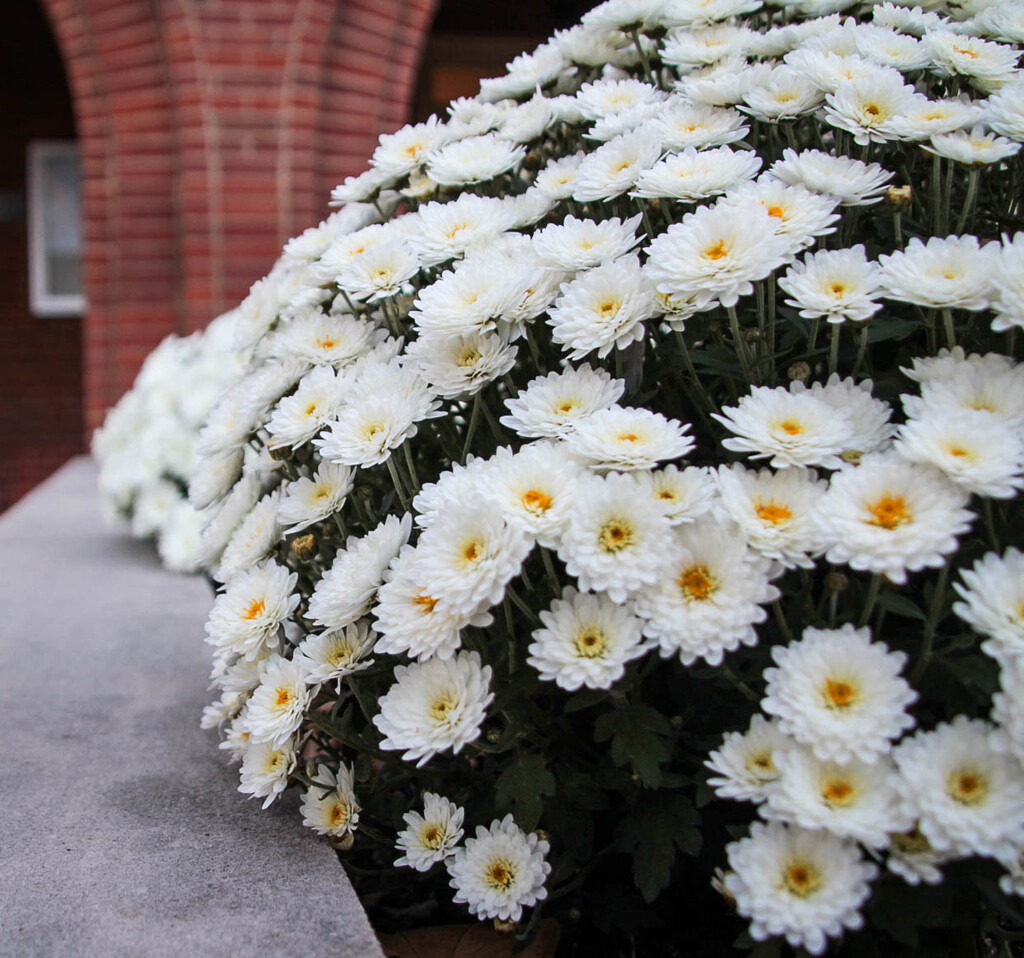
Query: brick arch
211	131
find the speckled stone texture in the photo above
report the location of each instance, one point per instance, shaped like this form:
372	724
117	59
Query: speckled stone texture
121	830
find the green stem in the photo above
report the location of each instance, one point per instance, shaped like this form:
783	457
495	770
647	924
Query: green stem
947	325
862	349
990	524
474	421
833	349
748	693
397	481
874	588
972	193
738	344
928	644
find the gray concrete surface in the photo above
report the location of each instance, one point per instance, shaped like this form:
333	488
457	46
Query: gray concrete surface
122	834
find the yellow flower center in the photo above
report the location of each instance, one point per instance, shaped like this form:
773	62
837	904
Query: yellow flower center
608	308
468	356
256	608
566	406
771	512
432	836
839	694
958	452
283	697
615	535
717	250
837	289
471	551
426	603
838	792
443	706
761	764
776	211
372	430
697	583
275	761
311	409
889	512
967	786
591	642
801	878
535	501
500	874
338	815
327	342
791	427
455	230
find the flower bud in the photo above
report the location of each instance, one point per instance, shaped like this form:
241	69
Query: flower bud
851	456
899	198
543	835
342	842
505	927
799	371
279	453
836	582
304	547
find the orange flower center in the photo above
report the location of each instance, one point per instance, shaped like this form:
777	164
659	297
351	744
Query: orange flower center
889	512
256	608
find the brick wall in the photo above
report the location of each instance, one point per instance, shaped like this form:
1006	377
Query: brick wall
211	132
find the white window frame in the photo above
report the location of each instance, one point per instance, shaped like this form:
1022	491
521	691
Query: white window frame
42	302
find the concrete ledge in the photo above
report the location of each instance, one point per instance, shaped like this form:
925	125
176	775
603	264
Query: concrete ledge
121	830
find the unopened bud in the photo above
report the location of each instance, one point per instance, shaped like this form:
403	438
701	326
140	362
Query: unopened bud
575	914
899	198
493	736
676	721
752	335
654	204
836	582
533	160
718	878
279	453
304	547
505	927
543	835
851	456
342	842
799	371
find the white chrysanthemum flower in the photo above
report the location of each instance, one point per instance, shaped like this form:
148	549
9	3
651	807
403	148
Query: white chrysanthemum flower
784	95
473	159
689	49
381	271
613	168
871	429
603	97
989	64
278	703
414	622
626	438
696	12
299	417
460	366
222	518
552	406
806	885
992	383
890	516
582	244
924	118
836	285
745	763
1004	111
776	511
180	542
681	125
336	653
795	212
329	805
722	84
345	591
306	501
401	152
888	48
829	70
851	182
526	72
603	308
468	555
371	425
795	428
248	615
265	770
1008	285
356	189
852	800
321	339
558	179
435	705
681	495
500	871
692	176
431	837
716	252
867	107
974	449
228	424
911	856
915	20
453	487
952	272
528	120
992	594
213	478
973	147
839	693
616	538
967	793
1002	21
624	14
709	594
535	488
586	641
444	231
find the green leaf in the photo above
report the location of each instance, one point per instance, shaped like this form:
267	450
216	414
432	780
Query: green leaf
900	605
637	738
585	699
658	824
520	787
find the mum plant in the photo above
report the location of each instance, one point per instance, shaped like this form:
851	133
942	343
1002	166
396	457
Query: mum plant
630	498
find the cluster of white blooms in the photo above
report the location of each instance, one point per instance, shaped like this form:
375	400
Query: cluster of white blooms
538	421
147	449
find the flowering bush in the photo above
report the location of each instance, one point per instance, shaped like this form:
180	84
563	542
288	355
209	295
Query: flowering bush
147	448
633	488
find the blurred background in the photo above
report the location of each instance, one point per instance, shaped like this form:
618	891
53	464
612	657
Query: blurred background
158	153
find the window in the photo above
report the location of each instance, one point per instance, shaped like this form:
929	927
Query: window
54	229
